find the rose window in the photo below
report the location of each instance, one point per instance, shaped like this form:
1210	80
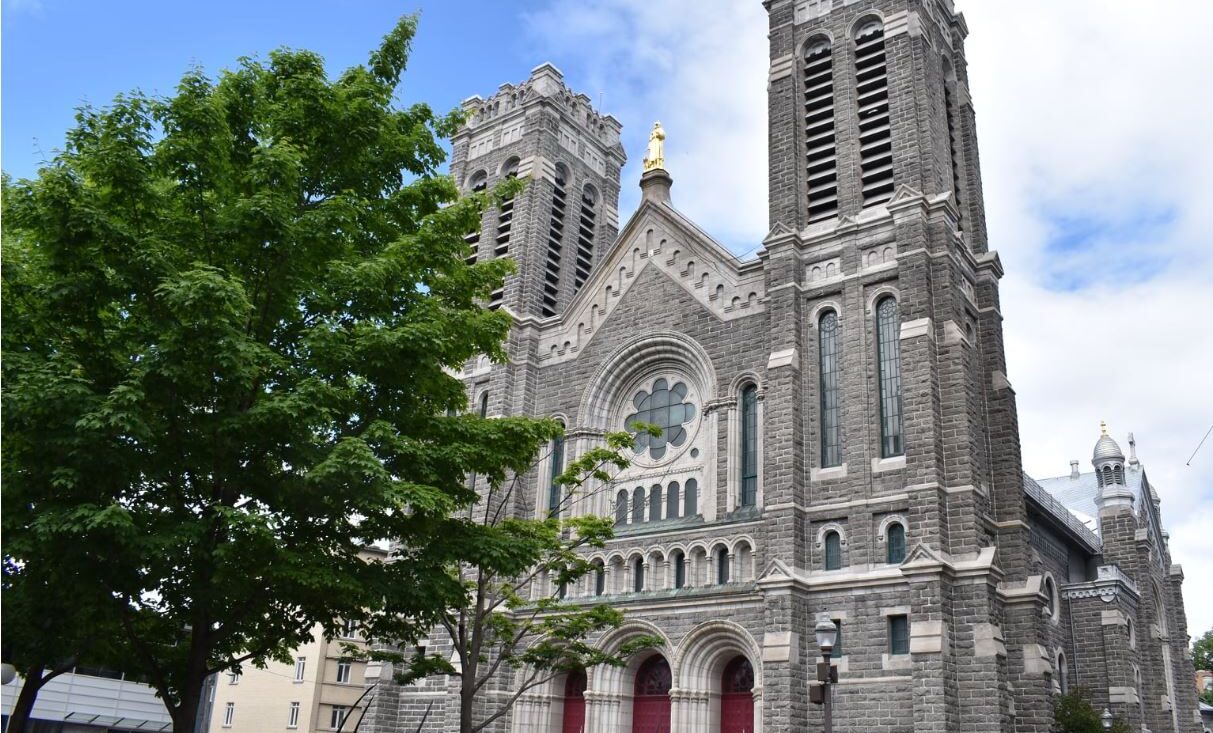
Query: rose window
665	408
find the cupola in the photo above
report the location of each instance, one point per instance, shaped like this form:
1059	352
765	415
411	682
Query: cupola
1109	462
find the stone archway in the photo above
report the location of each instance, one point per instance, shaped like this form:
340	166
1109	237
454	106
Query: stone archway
609	699
707	653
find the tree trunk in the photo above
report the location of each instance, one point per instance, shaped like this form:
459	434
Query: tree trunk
18	721
467	696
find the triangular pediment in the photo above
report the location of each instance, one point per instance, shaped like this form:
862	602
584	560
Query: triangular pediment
656	237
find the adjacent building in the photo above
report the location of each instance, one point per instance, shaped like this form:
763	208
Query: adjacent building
91	700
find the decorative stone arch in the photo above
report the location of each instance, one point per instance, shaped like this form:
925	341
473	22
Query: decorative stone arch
479	177
863	20
742	549
878	294
509	165
733	459
702	656
819	543
1061	673
1048	586
741	381
883	528
814	38
608	693
820	309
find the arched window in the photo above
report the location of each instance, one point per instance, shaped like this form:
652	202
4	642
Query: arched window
551	273
1118	474
679	561
638	574
895	543
599	579
621	507
1050	598
954	139
872	103
1063	673
831	423
505	223
690	498
1107	475
484	404
833	551
655	501
638	505
820	140
749	446
888	354
555	490
586	226
672	501
722	566
477	183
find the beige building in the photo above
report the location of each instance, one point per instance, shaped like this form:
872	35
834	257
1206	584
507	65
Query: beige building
315	693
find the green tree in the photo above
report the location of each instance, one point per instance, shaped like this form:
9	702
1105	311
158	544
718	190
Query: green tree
1202	651
513	620
229	319
1074	713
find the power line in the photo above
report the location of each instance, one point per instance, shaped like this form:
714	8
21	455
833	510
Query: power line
1202	442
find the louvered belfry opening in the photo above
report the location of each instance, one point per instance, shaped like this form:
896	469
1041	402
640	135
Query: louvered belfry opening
479	183
875	137
949	104
820	138
585	238
505	221
551	273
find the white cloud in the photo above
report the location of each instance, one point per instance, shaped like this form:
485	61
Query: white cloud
1094	122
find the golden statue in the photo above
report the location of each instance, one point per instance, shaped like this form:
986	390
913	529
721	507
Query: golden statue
654	159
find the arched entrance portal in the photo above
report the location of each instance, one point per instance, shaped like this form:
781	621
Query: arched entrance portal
651	697
574	702
737	697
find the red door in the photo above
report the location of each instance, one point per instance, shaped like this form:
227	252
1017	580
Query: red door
574	703
651	697
737	697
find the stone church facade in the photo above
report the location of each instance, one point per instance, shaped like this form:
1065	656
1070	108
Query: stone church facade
839	430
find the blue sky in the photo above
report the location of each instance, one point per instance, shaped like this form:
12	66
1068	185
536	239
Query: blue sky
1096	162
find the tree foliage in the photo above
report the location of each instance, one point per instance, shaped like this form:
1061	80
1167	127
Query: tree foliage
1202	651
1074	713
229	320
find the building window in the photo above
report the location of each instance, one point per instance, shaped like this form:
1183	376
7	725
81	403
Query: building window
836	652
343	671
690	498
1063	674
638	574
749	446
233	678
300	667
337	717
899	635
655	501
551	272
621	507
229	714
820	140
679	561
888	354
479	182
872	103
665	408
722	566
555	490
599	580
349	629
1050	590
292	716
831	424
638	505
895	544
833	548
672	500
954	142
484	404
585	237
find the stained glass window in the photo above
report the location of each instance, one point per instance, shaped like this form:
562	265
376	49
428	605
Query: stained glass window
690	498
896	544
638	505
554	488
749	446
655	499
621	507
653	677
665	408
738	676
672	501
831	425
899	635
833	559
888	352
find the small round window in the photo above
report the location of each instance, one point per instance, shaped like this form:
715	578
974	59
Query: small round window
665	407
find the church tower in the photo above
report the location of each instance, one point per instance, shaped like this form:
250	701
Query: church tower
562	223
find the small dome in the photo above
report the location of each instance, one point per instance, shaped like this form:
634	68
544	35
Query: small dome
1106	448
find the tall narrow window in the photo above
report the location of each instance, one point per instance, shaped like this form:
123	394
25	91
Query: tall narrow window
599	580
229	714
344	669
875	135
478	183
895	544
954	138
820	141
888	348
831	423
672	500
551	272
690	498
292	716
638	505
638	574
586	228
484	404
505	224
655	502
337	716
749	446
833	548
899	635
836	651
555	489
621	507
679	562
300	668
722	566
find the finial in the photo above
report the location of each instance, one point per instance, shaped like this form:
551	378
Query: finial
654	158
1103	428
1132	450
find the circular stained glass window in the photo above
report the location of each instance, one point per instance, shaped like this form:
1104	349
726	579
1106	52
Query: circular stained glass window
665	407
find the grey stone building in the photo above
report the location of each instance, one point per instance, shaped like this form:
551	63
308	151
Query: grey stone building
840	434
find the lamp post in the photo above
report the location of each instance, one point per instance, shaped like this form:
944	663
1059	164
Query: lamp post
1106	719
819	691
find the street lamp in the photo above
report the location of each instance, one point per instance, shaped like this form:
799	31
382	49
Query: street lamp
819	691
1106	719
